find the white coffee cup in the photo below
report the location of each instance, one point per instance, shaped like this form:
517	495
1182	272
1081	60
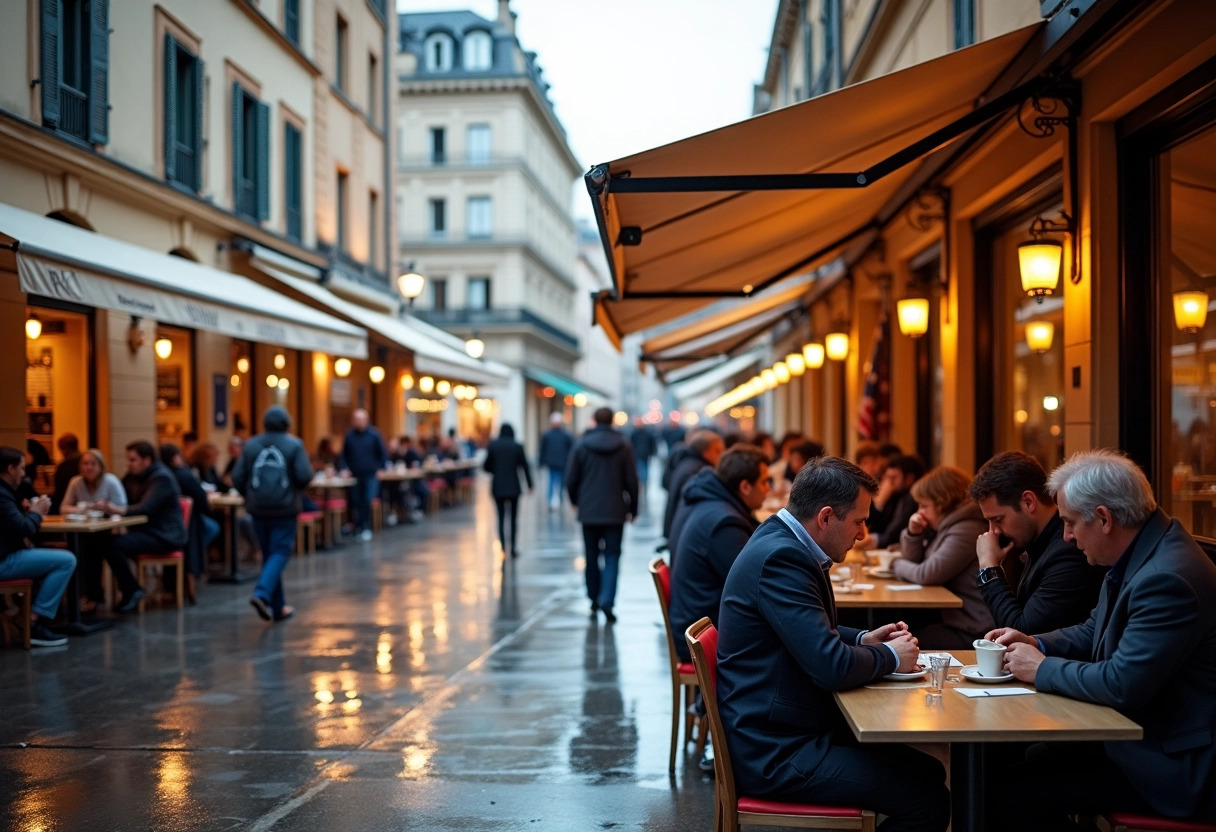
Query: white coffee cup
989	657
886	558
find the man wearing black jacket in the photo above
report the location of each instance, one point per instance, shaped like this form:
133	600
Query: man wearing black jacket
717	510
703	450
1057	587
363	454
603	485
152	491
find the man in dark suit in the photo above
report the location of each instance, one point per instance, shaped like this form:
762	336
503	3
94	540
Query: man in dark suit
1148	651
781	655
1057	587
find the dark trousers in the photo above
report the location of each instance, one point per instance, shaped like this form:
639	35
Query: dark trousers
900	782
505	505
125	547
602	541
277	538
366	487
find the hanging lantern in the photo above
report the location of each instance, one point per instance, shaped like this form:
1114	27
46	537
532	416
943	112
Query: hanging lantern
1040	263
796	363
836	344
342	367
1039	335
1190	310
375	373
913	314
813	353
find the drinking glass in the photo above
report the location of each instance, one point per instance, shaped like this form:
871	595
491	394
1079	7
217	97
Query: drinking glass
937	674
846	579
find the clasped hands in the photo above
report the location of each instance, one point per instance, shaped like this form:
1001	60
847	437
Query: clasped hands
901	639
1023	658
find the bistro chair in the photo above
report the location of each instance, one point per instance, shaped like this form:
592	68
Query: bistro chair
377	514
683	676
1128	822
308	525
25	589
335	514
178	559
731	810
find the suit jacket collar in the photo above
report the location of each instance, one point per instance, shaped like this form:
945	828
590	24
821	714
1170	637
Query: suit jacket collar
787	525
1131	561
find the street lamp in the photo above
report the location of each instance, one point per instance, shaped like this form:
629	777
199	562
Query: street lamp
33	327
475	347
342	367
410	283
376	374
163	347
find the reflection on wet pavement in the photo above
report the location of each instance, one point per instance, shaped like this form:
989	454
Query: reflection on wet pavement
425	683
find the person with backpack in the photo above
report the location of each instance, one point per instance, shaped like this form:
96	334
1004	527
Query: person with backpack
272	473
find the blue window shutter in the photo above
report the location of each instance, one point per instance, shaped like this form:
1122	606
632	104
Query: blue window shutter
199	105
237	154
292	161
99	71
263	144
50	63
170	116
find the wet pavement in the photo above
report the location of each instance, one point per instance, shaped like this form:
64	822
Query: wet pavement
425	683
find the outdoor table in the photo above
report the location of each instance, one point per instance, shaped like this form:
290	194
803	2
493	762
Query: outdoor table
324	484
902	712
73	529
886	594
229	503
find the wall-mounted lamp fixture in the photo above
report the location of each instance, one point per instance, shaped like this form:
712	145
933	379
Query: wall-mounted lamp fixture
242	364
1190	310
1041	261
796	363
782	372
913	315
283	384
1051	403
475	347
769	378
342	367
1039	335
410	283
407	382
836	345
443	387
376	374
272	380
813	353
33	327
135	334
426	384
280	361
163	347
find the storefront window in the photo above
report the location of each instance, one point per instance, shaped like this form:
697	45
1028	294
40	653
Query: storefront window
1189	260
174	350
1028	352
56	386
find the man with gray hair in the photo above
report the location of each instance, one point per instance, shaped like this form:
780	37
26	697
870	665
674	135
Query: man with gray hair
1148	650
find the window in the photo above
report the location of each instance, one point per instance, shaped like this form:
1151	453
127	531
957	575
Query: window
250	155
340	55
964	23
343	212
477	143
439	217
479	220
373	212
439	293
438	141
75	68
183	138
437	53
479	293
831	68
373	73
291	20
478	51
293	180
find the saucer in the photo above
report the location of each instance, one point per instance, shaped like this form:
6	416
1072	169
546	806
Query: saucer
879	572
903	677
77	518
835	577
972	674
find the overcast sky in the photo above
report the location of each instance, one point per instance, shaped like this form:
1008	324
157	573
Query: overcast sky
628	75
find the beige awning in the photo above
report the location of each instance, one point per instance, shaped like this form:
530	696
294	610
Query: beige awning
730	212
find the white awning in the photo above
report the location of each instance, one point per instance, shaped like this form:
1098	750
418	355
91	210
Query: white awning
716	374
61	261
435	352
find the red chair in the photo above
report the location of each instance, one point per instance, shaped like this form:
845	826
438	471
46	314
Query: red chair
1128	822
731	810
335	513
178	559
25	588
308	524
683	676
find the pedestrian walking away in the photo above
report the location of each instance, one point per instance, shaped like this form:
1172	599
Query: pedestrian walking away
555	447
603	485
504	459
272	473
363	455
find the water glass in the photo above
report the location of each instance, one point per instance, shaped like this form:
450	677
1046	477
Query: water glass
846	578
937	674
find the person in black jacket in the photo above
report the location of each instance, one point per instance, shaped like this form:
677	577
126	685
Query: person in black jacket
504	458
203	529
603	485
898	504
645	446
152	491
363	454
1057	587
69	466
272	473
703	450
718	521
52	567
555	447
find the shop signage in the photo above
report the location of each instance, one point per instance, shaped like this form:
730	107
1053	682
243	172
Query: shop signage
219	400
70	283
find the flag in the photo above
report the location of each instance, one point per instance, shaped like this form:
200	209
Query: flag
874	415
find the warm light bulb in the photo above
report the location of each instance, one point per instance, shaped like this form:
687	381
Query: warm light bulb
796	363
33	327
836	345
376	374
280	361
443	387
1040	263
163	347
342	367
1190	310
242	364
475	347
407	382
782	372
1051	403
426	384
813	353
769	378
580	399
410	284
283	384
1039	335
235	381
913	314
272	380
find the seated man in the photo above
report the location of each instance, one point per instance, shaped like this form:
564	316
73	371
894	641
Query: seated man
1148	651
895	499
1055	587
53	567
69	449
781	655
152	491
717	522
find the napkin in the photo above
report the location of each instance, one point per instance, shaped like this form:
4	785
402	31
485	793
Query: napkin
923	660
863	586
976	693
904	587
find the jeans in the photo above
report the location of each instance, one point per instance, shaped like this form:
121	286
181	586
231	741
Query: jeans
366	487
507	505
601	586
211	530
557	483
53	566
277	537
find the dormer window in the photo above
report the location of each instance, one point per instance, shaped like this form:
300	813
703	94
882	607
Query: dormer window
438	51
478	51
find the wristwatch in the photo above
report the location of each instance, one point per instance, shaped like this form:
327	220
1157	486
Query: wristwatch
988	575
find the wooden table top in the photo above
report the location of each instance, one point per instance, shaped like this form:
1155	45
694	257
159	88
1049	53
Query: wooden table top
59	523
901	712
882	595
321	481
215	498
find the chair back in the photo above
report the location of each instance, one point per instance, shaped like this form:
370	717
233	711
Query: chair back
702	638
661	574
187	504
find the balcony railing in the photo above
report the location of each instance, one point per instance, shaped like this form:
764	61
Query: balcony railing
73	112
184	170
470	318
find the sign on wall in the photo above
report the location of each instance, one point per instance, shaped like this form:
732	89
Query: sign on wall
219	399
